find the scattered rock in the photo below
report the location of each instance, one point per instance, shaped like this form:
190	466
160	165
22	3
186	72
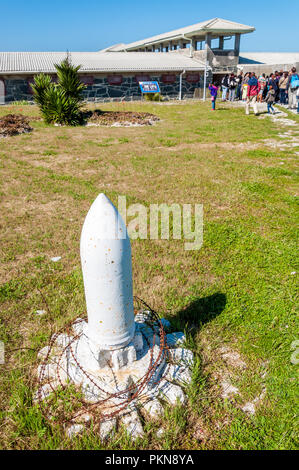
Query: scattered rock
50	371
143	316
62	340
42	354
86	417
138	341
248	408
175	339
74	429
172	394
133	425
233	358
45	391
228	390
166	323
78	326
154	408
182	356
261	396
40	312
55	259
107	428
160	432
176	373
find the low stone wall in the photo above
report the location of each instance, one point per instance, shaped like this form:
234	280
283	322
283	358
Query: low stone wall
266	68
17	88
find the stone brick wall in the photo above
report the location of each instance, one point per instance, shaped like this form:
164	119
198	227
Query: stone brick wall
129	89
17	88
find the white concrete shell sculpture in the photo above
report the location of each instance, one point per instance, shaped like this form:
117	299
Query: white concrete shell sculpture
120	362
107	273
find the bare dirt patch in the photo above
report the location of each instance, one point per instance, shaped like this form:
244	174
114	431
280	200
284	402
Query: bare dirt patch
121	118
13	124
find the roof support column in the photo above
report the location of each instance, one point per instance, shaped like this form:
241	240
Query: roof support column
237	43
208	40
207	46
221	43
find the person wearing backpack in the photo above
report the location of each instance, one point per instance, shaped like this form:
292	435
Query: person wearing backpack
232	87
224	86
239	80
262	84
270	100
292	87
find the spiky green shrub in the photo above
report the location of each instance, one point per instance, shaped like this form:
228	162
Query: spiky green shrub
60	108
68	79
60	102
41	83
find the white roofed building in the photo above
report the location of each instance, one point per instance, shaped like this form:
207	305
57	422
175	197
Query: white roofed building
177	59
193	35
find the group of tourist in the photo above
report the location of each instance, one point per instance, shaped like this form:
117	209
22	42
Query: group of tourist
279	87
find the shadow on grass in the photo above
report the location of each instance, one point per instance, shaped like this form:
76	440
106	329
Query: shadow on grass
201	311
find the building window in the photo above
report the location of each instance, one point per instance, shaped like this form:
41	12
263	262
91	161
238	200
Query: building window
169	78
115	79
215	43
142	78
87	79
192	77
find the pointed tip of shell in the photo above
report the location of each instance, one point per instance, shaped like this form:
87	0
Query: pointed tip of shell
102	198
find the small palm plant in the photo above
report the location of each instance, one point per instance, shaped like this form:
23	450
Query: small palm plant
60	102
41	83
68	79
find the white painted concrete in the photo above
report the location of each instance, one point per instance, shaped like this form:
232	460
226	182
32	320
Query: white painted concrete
107	274
111	355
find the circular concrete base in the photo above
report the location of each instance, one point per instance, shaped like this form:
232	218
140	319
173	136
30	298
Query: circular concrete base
145	374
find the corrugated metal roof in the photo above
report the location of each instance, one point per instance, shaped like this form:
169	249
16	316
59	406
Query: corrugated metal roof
35	62
269	58
216	25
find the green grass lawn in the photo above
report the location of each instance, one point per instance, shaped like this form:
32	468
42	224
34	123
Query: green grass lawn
235	297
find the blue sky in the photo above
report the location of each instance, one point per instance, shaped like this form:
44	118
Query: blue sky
78	25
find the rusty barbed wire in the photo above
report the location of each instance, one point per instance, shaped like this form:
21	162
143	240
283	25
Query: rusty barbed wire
116	403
